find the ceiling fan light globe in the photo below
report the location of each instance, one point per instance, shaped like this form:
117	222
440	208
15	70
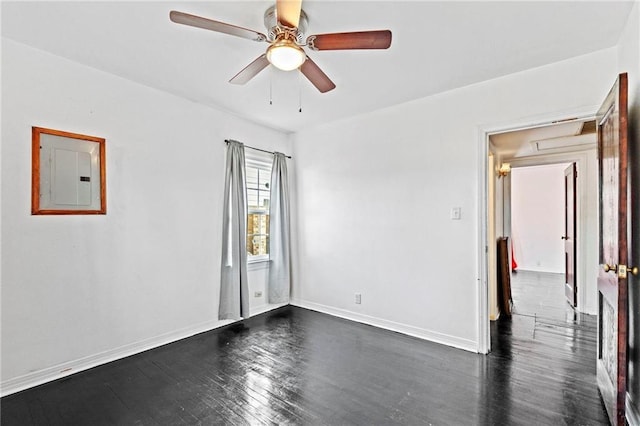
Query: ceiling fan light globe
286	56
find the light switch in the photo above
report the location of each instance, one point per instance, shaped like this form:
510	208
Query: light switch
456	213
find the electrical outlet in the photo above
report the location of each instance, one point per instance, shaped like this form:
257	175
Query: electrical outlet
358	298
257	294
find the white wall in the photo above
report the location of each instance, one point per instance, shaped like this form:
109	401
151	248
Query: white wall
79	290
537	217
375	192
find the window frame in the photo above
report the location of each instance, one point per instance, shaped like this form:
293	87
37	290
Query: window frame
261	163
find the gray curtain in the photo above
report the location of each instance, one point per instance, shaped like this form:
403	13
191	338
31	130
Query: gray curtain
234	287
279	246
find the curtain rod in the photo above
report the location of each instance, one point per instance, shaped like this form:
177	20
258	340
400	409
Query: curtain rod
256	149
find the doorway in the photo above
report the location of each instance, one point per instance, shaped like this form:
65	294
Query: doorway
542	268
552	143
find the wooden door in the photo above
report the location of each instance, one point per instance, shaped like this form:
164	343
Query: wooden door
569	237
612	274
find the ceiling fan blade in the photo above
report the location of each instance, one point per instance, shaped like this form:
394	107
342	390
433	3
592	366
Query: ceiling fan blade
250	70
316	76
288	12
209	24
380	39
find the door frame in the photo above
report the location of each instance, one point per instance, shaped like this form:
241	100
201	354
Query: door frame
579	157
571	211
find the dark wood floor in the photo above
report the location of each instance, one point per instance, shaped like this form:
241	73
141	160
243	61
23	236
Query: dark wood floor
294	366
541	294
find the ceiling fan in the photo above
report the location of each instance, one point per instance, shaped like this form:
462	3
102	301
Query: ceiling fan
286	23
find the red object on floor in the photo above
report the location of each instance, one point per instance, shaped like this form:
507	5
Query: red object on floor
514	265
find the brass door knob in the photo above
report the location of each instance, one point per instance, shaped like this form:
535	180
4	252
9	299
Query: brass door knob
622	270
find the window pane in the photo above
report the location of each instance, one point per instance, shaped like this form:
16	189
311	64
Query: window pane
257	234
252	199
258	178
257	245
264	176
258	196
252	177
263	199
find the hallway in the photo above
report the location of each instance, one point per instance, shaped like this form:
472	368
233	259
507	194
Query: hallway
540	294
546	344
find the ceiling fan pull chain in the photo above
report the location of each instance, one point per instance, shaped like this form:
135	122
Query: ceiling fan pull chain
299	92
271	88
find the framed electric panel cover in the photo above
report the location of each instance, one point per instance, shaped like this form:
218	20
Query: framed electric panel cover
68	173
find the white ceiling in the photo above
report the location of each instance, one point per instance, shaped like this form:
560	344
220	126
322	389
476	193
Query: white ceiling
437	46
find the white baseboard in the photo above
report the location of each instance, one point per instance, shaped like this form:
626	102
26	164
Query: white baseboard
35	378
266	308
421	333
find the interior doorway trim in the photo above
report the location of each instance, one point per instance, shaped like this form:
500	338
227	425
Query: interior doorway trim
581	159
484	132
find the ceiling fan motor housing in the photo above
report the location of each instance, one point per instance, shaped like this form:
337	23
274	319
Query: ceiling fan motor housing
275	29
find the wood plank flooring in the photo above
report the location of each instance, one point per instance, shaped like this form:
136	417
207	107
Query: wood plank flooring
541	294
295	366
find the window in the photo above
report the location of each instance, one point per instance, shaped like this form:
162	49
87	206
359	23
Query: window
258	196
